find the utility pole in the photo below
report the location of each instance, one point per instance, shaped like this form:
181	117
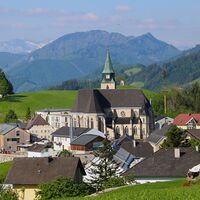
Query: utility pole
165	103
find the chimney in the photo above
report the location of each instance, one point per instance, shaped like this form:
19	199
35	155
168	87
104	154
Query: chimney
134	143
177	153
197	148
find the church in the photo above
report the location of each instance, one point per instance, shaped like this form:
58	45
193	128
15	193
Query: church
115	112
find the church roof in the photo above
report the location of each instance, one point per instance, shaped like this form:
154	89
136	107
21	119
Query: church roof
95	101
108	68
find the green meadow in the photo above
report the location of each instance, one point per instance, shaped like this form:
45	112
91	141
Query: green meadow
174	190
4	168
36	100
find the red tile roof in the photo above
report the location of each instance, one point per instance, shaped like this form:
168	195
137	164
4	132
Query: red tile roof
183	119
36	121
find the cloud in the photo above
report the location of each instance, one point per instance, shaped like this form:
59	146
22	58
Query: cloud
148	23
65	18
123	8
37	11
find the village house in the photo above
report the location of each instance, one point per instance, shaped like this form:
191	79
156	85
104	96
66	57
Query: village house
57	118
63	137
187	121
165	165
113	111
41	150
88	141
12	136
39	128
139	149
27	173
193	134
158	136
160	121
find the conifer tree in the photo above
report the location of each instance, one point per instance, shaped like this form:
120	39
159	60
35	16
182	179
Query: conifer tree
103	167
28	113
10	117
5	86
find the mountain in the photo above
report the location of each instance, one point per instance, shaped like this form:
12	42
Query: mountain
20	46
9	59
183	70
78	54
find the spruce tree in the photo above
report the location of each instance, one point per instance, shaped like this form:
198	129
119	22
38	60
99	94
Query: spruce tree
103	166
28	113
10	117
5	86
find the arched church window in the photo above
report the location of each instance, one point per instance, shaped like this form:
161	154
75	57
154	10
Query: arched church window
100	125
135	130
74	122
126	130
117	130
79	121
92	123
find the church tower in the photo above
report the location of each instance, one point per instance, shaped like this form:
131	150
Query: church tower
108	74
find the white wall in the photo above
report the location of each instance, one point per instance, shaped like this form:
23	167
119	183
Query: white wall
153	180
64	143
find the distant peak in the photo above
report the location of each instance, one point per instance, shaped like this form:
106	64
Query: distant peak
149	35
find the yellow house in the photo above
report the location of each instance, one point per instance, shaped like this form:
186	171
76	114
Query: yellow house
26	174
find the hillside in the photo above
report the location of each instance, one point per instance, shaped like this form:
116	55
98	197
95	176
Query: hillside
166	191
78	54
181	71
36	101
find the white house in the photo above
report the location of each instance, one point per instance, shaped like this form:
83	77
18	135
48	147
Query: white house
41	150
162	120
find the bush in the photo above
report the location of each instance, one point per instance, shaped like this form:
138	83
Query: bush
114	182
61	188
8	194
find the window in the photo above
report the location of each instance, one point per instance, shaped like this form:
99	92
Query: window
123	114
17	133
126	130
117	130
135	130
92	123
108	76
191	124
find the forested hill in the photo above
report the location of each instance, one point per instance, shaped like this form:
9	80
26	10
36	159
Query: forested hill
179	72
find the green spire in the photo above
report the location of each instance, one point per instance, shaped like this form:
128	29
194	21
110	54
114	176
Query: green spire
108	68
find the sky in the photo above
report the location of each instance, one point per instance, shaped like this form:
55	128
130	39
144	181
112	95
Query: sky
174	21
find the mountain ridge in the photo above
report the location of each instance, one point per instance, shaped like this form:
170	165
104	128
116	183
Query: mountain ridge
77	54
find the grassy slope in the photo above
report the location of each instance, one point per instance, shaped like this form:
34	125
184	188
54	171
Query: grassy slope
4	168
133	71
36	100
155	191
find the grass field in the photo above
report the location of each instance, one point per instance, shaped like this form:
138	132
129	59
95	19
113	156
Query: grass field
45	99
132	71
155	191
4	168
36	100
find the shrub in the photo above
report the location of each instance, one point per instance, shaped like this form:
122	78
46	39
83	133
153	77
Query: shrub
114	182
61	188
8	194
